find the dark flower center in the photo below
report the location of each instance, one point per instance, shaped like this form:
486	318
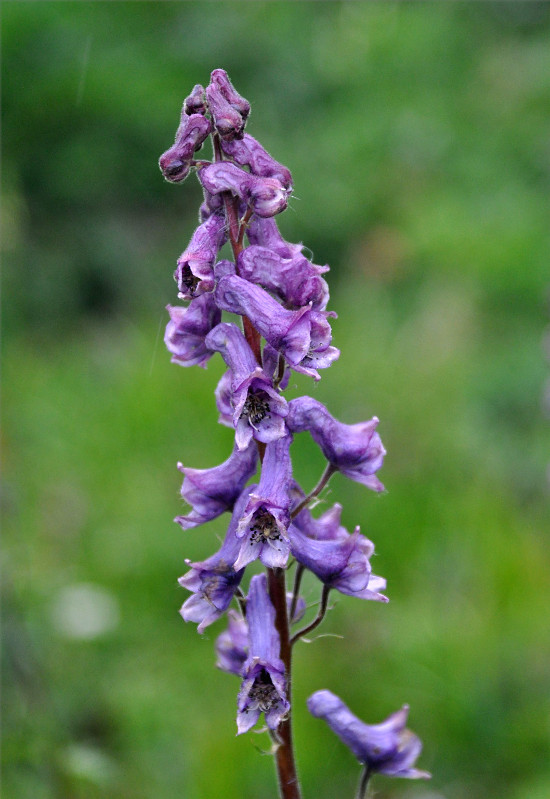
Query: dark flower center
256	407
263	693
264	527
188	280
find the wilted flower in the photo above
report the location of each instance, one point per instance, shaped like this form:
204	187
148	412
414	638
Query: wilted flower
195	270
249	152
296	281
387	748
191	134
266	196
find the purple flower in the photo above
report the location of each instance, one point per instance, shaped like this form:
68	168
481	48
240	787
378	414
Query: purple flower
195	270
220	79
354	449
295	281
210	492
259	410
249	152
214	581
341	562
232	644
326	528
265	233
192	132
264	524
195	103
187	328
387	748
266	196
302	336
229	110
263	689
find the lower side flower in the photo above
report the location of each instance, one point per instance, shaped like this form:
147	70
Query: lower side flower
388	748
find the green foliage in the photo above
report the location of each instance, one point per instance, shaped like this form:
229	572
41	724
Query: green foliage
417	135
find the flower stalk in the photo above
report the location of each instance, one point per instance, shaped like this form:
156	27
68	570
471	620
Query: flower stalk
279	300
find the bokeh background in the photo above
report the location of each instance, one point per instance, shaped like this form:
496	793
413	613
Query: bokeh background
418	137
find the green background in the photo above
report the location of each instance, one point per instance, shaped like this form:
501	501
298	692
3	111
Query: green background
418	138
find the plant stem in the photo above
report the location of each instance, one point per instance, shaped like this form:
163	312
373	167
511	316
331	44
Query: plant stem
317	620
363	783
327	474
296	590
286	767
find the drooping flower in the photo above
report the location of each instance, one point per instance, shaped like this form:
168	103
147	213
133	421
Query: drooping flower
263	689
266	517
354	449
229	110
266	196
192	132
388	748
258	409
249	152
302	336
296	281
232	644
214	581
187	329
195	102
195	270
210	492
265	233
341	562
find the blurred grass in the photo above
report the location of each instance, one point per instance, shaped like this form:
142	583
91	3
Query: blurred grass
418	139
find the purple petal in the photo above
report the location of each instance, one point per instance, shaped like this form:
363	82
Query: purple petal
388	747
210	492
187	329
356	450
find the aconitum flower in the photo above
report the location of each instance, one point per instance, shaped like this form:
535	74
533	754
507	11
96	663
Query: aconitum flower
296	281
195	102
341	563
229	110
195	270
191	134
302	336
354	449
259	409
232	644
263	689
249	152
214	581
265	233
210	492
187	329
266	196
264	524
387	748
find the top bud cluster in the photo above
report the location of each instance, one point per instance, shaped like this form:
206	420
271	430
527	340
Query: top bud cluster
281	298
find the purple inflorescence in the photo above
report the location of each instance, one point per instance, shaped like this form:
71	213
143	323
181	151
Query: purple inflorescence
278	299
